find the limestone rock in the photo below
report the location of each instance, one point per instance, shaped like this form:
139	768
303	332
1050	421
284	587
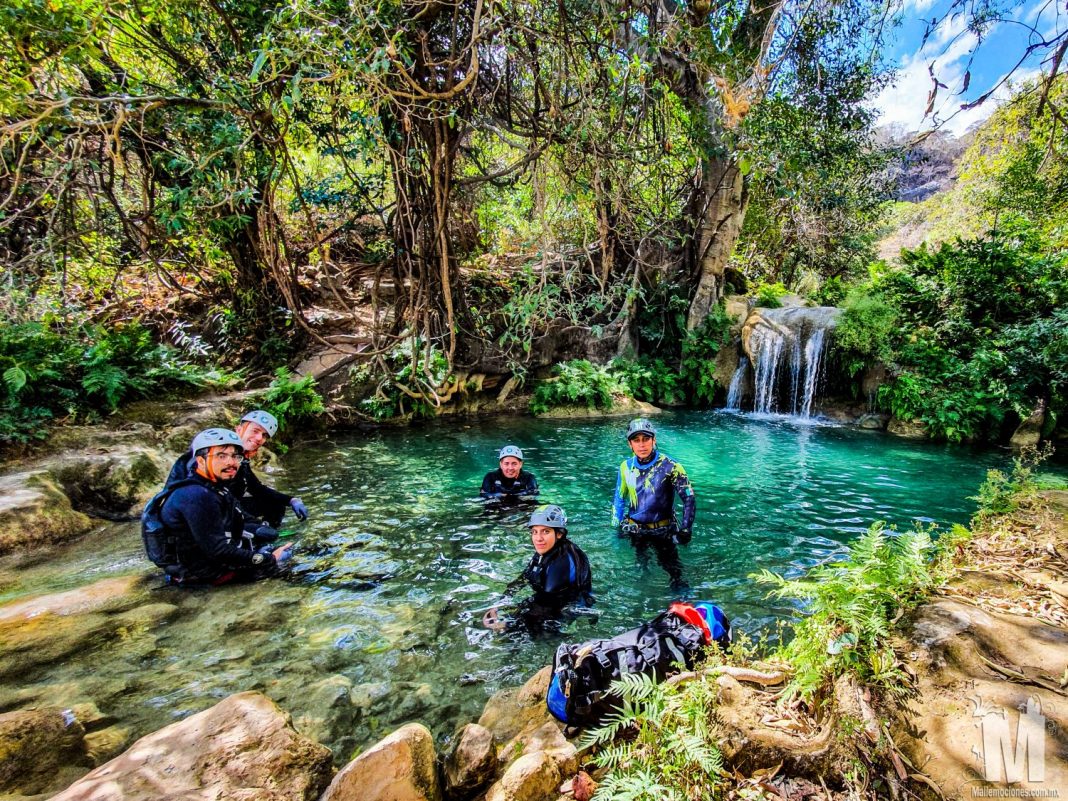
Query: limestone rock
911	429
547	738
472	762
1029	432
726	364
34	744
242	749
34	511
401	767
622	406
327	708
115	484
509	712
737	308
532	777
100	746
873	422
45	629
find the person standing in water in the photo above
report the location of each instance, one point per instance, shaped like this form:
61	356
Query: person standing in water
643	508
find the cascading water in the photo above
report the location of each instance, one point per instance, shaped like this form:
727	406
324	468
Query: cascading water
786	348
734	392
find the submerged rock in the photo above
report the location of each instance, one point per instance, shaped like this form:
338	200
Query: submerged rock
402	767
243	748
38	749
911	429
34	512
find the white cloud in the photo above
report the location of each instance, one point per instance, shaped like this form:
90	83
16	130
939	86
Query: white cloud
916	6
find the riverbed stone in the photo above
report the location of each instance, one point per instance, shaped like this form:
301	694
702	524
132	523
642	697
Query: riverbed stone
327	708
242	749
1029	433
34	511
36	745
105	744
471	763
546	738
873	421
622	406
401	767
114	484
532	777
45	629
910	429
509	712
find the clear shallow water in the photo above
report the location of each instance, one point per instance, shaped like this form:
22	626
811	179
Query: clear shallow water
379	623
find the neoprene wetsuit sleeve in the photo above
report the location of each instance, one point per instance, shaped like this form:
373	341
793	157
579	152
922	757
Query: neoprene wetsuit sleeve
684	490
205	514
487	486
532	485
269	503
619	503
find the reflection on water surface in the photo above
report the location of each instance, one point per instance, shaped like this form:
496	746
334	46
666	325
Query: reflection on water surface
379	622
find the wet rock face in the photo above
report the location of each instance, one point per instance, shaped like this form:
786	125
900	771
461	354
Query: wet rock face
34	511
510	712
113	485
243	748
38	750
402	767
532	777
472	762
39	631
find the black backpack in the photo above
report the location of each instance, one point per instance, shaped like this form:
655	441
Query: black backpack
160	544
578	692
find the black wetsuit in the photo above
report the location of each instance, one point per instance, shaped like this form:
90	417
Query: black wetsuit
496	485
559	578
257	502
207	526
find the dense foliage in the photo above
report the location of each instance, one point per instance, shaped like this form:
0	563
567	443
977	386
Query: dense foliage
974	332
82	372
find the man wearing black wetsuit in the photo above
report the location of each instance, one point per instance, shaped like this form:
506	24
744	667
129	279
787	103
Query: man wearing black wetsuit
258	502
509	480
202	520
558	573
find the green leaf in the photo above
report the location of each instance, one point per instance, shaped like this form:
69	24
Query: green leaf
15	378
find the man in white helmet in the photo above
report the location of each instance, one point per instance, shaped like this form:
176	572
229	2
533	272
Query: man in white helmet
509	480
259	503
199	540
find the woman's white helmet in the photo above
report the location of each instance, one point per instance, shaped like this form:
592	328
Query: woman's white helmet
510	450
549	515
265	420
211	437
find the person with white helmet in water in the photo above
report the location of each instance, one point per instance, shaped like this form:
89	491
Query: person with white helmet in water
509	480
558	574
197	536
259	503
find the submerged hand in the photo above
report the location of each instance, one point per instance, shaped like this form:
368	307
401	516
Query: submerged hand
683	537
299	509
492	621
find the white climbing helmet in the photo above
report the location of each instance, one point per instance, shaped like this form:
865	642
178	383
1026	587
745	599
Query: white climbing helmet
265	420
510	450
211	437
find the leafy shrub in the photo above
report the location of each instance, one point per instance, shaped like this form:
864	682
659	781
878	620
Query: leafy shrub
292	400
669	752
410	378
699	351
1000	494
864	328
852	606
767	295
81	371
576	382
650	379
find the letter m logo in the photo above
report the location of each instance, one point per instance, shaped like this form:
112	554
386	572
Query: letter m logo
1002	762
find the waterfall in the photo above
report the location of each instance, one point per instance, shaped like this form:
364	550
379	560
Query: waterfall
734	392
786	348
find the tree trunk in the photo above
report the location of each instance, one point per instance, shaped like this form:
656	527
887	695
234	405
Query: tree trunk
719	209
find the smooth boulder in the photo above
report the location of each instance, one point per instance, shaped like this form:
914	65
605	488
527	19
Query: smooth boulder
510	712
401	767
472	762
37	748
532	777
34	512
114	484
242	749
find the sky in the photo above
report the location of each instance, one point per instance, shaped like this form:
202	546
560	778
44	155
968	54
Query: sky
950	48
